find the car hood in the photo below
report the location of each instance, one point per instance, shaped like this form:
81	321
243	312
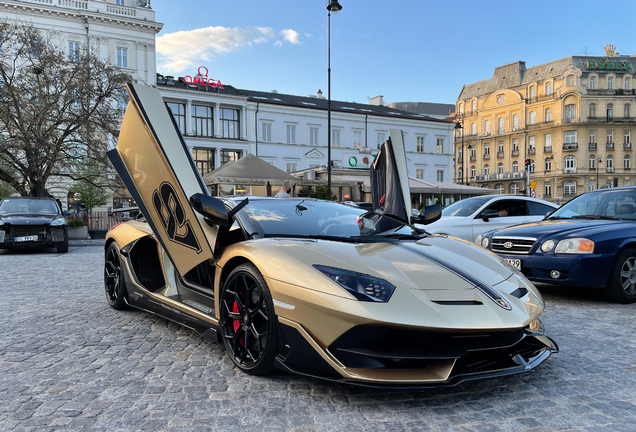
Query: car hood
577	227
28	219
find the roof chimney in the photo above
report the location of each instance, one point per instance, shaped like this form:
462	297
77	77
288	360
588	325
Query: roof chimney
319	94
378	101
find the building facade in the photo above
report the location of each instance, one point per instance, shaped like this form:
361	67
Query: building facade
223	124
572	118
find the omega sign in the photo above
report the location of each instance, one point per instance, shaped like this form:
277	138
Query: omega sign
608	65
201	79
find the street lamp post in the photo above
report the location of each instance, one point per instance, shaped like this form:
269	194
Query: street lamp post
459	127
333	8
598	162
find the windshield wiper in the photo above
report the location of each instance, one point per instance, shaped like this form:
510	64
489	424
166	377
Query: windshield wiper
399	236
356	239
595	217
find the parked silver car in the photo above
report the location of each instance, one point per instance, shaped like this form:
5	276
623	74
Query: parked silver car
468	218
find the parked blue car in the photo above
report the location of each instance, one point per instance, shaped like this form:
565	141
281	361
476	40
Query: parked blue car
588	242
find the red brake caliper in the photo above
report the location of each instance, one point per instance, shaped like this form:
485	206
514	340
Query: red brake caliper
236	324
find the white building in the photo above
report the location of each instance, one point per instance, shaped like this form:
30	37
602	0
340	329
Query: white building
290	132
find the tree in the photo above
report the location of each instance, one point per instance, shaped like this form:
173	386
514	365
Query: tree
5	190
321	192
57	111
91	193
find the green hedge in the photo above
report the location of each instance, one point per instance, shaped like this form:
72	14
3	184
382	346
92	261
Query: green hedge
76	223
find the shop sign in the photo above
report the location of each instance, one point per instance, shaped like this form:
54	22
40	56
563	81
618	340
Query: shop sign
357	160
201	79
608	65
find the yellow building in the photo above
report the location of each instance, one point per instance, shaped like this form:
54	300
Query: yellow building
564	116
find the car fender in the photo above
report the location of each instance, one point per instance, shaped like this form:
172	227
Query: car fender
126	233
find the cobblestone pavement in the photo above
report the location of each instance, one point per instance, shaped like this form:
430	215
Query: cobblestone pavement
69	362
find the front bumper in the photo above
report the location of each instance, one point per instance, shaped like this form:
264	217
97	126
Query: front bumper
590	271
46	236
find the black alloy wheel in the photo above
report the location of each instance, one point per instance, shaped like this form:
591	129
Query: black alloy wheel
621	286
63	246
248	321
114	278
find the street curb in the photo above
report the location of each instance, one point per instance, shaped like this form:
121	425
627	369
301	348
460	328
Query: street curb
96	242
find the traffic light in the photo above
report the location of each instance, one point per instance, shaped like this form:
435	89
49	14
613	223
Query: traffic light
523	191
615	182
527	163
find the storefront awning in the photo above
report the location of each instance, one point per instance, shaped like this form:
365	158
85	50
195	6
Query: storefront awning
249	170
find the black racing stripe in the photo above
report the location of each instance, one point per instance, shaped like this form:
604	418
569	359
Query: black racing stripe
479	284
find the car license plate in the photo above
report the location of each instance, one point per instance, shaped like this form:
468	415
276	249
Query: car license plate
516	263
26	238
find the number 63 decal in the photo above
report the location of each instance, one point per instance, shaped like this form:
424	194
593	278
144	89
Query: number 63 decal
173	217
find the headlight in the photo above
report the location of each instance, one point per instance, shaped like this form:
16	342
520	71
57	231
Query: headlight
575	246
58	222
537	326
478	239
547	245
362	286
485	242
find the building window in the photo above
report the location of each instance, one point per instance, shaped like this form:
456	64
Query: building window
592	110
547	189
486	169
531	167
569	80
120	2
500	168
610	137
500	189
229	156
626	182
487	148
357	139
569	163
610	161
122	57
533	117
514	188
201	123
420	144
419	173
515	167
487	126
592	83
380	138
74	52
548	114
178	112
460	153
501	125
548	88
570	113
531	143
230	126
548	164
592	136
628	83
461	108
473	152
569	137
626	137
592	162
266	132
473	106
592	185
291	134
460	174
440	175
336	135
547	139
500	148
627	162
627	110
472	171
291	166
440	145
515	122
533	92
204	160
610	83
313	136
610	111
515	145
569	188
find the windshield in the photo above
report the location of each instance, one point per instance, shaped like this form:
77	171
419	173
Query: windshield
28	206
465	207
610	204
296	217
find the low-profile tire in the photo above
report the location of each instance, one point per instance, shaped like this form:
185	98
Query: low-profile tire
114	284
63	247
248	321
621	286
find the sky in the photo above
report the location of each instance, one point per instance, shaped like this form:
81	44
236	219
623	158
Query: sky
405	50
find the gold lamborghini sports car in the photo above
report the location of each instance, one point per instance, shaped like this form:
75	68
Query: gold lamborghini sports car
309	286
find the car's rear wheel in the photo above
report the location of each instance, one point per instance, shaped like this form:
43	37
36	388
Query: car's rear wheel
114	278
248	321
621	286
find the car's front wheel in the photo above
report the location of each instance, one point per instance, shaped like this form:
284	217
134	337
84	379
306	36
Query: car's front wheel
114	278
63	246
248	321
621	286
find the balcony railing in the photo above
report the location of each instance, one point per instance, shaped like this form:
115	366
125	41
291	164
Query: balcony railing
468	114
612	92
541	124
485	134
606	119
571	120
501	132
609	146
500	155
508	175
610	169
570	146
569	170
540	98
547	149
532	150
515	152
591	146
460	159
627	146
486	155
140	12
473	158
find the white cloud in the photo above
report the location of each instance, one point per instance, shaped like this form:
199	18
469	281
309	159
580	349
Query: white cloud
307	35
278	43
291	36
185	49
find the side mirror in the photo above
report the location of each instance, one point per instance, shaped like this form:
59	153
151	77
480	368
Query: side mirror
429	214
66	213
211	208
548	214
487	214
